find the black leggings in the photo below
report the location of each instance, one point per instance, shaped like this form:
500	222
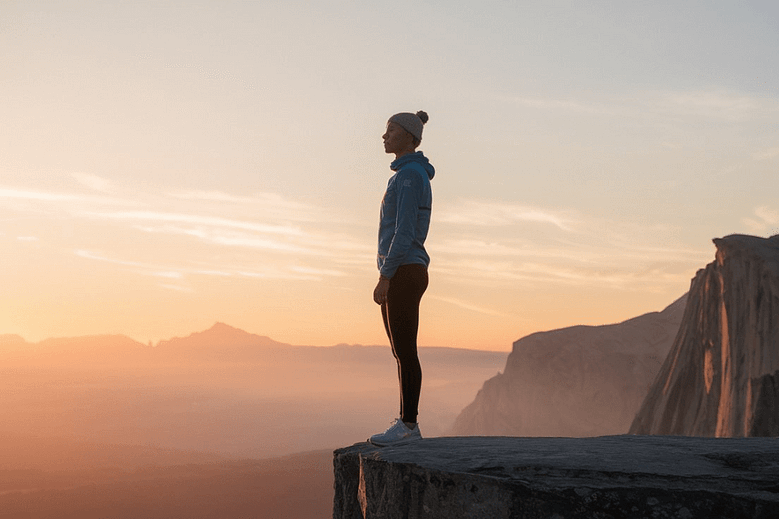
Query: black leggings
401	321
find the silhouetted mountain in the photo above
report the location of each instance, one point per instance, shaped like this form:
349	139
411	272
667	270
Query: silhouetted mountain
87	352
722	376
100	345
576	381
11	341
11	345
221	341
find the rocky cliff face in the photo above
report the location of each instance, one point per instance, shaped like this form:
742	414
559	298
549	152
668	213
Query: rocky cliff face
721	377
607	477
577	381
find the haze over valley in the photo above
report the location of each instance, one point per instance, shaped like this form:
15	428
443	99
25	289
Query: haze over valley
223	390
108	410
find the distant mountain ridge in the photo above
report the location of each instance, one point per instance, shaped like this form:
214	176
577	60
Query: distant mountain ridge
10	341
219	342
220	334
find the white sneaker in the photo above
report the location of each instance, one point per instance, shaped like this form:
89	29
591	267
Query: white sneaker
397	434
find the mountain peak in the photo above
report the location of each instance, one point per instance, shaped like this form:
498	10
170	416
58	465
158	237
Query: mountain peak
220	337
220	328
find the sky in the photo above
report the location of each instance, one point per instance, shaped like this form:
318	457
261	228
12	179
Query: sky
168	165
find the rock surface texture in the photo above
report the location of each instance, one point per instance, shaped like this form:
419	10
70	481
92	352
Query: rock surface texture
605	477
721	377
577	381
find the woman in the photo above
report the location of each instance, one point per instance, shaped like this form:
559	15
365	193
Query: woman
402	262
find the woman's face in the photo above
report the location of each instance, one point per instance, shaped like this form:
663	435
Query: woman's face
397	140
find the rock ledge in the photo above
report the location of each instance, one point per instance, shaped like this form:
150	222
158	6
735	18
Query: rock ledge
605	477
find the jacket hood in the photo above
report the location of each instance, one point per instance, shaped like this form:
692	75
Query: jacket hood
417	157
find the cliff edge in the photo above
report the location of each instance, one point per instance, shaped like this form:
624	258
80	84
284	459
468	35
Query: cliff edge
721	377
605	477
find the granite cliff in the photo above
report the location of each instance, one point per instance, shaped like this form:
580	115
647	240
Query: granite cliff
721	377
576	381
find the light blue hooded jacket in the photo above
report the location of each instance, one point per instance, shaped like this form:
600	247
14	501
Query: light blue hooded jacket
405	214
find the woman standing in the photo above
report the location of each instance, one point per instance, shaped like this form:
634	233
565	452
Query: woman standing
402	262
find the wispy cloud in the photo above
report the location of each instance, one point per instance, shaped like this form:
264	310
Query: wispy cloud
234	239
768	215
481	242
86	254
318	272
168	274
565	105
232	233
218	231
764	218
195	219
483	248
534	275
93	182
493	213
716	104
177	288
289	239
270	205
767	154
469	306
45	196
605	250
219	196
292	273
141	268
180	273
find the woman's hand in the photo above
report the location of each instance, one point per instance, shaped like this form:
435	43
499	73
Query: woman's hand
380	292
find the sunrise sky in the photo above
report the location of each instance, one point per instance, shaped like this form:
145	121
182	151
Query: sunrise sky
166	165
